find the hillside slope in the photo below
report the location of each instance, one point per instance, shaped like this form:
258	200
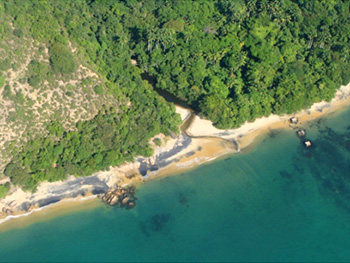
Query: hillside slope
61	113
73	102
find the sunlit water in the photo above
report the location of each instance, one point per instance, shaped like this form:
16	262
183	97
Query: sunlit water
275	202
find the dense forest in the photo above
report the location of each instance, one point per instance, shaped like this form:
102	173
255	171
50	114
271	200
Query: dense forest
238	60
232	61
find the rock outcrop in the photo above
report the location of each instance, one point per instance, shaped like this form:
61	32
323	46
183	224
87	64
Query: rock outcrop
123	197
7	211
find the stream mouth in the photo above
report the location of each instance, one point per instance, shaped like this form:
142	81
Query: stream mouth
179	102
172	99
165	94
189	120
187	123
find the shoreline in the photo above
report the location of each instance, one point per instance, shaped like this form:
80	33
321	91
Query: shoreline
245	134
219	143
64	207
174	156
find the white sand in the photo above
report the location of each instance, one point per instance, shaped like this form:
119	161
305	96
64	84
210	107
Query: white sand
184	113
201	127
199	151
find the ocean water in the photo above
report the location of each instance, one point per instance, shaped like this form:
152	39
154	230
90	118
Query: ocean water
274	202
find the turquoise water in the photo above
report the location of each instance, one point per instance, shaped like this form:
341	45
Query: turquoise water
276	202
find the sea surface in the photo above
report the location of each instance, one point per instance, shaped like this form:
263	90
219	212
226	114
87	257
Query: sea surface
276	201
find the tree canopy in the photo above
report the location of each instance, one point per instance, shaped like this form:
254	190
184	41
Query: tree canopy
232	61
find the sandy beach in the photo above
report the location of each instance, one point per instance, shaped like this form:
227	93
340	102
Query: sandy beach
212	143
248	131
175	155
64	207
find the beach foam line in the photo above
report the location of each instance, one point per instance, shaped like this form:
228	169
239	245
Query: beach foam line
186	165
44	207
203	159
244	136
22	215
195	161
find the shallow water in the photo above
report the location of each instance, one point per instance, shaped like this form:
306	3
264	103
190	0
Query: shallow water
276	202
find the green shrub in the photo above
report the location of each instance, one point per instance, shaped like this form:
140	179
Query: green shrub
86	81
14	66
70	87
37	71
18	33
4	188
61	39
5	64
19	98
62	60
2	81
34	81
98	90
157	141
6	93
174	25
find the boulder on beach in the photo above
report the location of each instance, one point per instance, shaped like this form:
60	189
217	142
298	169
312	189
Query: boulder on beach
31	207
12	203
120	195
114	200
130	205
120	191
7	211
125	200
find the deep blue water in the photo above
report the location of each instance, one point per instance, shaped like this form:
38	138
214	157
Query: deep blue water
276	202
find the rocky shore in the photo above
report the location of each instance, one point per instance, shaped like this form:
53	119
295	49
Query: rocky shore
120	196
173	156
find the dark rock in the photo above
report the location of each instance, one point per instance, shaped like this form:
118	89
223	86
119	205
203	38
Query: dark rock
131	205
120	195
125	200
114	200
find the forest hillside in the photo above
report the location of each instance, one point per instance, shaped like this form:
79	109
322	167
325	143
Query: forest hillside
73	103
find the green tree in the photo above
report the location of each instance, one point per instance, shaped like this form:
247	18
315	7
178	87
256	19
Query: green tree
62	60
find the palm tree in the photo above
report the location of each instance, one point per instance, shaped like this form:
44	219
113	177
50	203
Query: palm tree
123	38
164	36
236	10
188	33
151	36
